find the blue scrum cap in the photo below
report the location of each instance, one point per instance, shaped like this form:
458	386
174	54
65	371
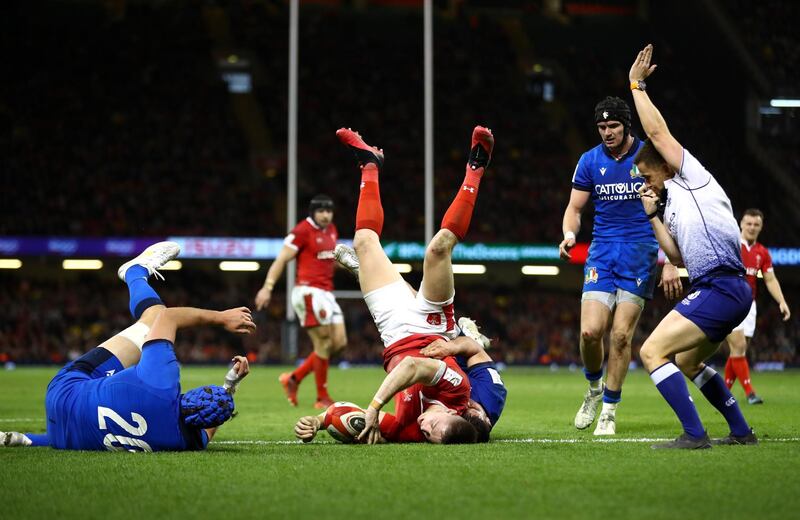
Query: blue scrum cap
206	406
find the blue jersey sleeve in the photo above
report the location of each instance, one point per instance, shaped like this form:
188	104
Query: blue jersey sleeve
158	367
582	179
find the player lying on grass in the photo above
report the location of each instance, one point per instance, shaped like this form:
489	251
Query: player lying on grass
431	394
488	392
699	230
126	393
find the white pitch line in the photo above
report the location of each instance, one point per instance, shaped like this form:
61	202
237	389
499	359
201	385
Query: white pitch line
22	419
513	441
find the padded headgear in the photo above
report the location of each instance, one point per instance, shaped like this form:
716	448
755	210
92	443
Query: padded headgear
206	406
320	201
613	109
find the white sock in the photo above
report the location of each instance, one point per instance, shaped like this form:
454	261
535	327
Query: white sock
136	333
609	407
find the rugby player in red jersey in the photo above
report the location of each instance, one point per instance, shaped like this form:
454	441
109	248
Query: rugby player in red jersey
756	259
311	242
431	393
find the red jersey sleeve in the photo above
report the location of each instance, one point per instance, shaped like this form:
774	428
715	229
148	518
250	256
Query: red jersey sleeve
452	388
297	238
766	265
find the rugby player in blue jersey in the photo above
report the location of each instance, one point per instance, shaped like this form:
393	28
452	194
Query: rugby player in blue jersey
125	394
699	231
619	274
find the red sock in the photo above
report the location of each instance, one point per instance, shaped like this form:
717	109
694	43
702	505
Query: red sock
742	368
369	214
321	377
305	367
459	214
730	373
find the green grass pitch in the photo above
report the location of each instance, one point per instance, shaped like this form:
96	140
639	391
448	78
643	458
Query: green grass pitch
538	465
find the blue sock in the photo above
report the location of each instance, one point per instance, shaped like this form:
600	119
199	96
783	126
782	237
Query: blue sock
612	396
713	387
38	439
670	383
593	378
142	296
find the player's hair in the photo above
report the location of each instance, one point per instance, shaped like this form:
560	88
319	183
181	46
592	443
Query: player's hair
460	431
319	201
753	212
206	406
649	155
613	109
481	428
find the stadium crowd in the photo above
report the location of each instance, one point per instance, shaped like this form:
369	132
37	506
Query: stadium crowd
54	321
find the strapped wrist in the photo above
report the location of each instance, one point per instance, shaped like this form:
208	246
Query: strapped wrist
569	235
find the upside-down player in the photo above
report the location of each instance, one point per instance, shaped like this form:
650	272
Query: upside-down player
431	394
125	395
312	242
756	258
488	392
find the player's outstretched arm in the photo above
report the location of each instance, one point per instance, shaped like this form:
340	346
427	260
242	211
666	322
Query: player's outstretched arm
409	371
774	288
169	320
571	223
264	295
652	121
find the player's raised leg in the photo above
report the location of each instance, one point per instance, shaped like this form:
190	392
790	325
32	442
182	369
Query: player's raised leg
375	268
437	279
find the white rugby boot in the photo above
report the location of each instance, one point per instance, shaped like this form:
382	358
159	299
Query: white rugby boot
471	330
347	258
588	410
14	439
153	258
607	422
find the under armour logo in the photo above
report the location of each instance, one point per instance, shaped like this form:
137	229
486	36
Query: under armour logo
468	188
602	171
605	114
110	373
638	282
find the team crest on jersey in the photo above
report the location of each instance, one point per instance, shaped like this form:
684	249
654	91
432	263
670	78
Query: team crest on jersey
406	396
435	319
591	275
603	171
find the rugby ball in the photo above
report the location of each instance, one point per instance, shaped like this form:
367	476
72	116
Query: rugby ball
344	421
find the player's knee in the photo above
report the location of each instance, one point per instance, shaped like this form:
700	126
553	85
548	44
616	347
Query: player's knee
441	245
591	335
649	355
620	340
365	239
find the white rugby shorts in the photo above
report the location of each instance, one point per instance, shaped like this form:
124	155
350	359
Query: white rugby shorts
398	314
315	307
748	326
